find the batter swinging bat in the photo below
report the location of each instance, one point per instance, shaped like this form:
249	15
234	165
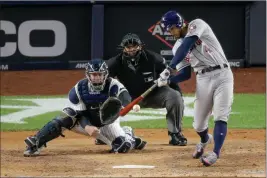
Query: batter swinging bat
128	108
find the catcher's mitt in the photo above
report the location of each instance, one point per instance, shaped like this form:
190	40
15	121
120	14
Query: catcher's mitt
110	110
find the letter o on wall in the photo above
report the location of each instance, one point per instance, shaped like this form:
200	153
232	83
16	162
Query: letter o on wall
27	27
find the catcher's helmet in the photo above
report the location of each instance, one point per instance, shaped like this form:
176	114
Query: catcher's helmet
171	18
97	73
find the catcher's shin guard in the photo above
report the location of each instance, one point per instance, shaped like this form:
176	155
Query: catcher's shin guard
121	145
50	131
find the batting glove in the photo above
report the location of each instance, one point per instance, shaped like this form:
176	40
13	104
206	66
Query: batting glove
163	79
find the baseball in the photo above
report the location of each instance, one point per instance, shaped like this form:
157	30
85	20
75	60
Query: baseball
136	108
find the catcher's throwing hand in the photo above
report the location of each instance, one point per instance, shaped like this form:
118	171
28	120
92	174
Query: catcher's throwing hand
92	131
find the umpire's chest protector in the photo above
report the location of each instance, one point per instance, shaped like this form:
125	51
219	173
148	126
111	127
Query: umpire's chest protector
137	79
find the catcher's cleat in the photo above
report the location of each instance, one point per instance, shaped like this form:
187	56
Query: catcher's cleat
99	142
139	143
31	148
209	159
200	147
177	139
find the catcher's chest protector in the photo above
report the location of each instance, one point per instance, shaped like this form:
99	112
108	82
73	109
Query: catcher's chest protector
93	100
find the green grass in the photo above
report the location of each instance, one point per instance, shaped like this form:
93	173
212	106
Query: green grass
251	109
31	123
17	103
4	111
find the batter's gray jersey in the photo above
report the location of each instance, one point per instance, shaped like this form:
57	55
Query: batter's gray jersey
207	51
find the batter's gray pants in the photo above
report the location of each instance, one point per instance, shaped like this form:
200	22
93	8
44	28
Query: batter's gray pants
166	97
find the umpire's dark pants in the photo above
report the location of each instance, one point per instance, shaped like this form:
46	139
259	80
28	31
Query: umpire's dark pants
166	97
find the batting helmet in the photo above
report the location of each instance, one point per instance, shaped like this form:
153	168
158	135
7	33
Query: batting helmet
171	18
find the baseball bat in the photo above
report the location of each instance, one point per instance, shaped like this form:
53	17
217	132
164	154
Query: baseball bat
129	107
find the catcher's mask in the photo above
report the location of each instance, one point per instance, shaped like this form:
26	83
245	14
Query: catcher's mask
131	47
97	73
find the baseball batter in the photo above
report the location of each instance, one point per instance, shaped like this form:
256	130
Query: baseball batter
198	45
93	110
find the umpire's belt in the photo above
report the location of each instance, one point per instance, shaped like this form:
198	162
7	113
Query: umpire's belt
209	69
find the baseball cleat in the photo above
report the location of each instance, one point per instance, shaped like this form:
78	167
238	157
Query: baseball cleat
139	143
30	152
99	142
177	139
31	147
209	159
200	147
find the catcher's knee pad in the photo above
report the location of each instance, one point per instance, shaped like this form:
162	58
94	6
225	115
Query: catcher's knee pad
50	131
68	119
121	145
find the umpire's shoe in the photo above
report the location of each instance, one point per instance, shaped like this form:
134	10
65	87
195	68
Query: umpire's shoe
177	139
31	147
200	147
139	143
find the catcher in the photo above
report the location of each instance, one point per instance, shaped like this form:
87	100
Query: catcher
94	106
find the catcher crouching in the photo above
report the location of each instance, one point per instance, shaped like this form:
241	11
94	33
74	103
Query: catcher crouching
93	110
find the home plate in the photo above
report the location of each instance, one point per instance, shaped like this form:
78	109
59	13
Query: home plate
133	167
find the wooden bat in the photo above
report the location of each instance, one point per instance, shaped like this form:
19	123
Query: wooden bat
129	107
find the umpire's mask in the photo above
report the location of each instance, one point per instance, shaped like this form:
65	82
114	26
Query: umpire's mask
131	47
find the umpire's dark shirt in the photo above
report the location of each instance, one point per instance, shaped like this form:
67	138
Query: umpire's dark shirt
139	78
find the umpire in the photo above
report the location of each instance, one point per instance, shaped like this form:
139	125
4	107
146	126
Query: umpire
137	68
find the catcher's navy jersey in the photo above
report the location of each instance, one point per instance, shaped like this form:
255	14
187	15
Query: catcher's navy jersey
82	97
88	102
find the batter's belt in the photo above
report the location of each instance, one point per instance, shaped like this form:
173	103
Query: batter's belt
209	69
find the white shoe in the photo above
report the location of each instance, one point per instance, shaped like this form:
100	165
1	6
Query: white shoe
201	146
209	159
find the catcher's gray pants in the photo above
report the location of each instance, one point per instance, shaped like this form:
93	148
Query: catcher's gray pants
110	132
166	97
